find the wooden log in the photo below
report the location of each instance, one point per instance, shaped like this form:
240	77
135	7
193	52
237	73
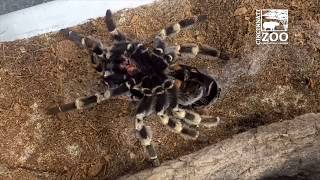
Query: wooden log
288	149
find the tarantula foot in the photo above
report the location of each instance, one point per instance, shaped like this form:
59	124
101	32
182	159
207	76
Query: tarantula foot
53	110
65	31
203	138
208	121
63	108
155	162
224	56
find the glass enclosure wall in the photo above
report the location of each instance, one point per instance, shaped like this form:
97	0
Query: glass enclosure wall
7	6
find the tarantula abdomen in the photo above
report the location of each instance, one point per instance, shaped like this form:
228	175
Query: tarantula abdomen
189	92
212	92
196	89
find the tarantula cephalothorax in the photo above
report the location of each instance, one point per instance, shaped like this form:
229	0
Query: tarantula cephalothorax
150	78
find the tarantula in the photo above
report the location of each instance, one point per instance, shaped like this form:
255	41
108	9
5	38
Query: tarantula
151	78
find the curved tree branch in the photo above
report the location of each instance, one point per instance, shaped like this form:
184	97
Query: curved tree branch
287	149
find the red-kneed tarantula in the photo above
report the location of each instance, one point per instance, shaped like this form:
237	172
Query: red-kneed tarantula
151	78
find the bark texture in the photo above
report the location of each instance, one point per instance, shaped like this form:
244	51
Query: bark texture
288	149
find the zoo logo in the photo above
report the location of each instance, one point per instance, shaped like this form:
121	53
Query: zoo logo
272	26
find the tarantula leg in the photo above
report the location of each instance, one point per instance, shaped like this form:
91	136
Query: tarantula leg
112	28
143	132
177	27
209	121
98	52
89	101
170	53
111	79
88	42
81	103
159	45
192	50
176	126
163	102
144	135
189	117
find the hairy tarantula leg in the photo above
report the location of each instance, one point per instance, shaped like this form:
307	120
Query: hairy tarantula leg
176	126
189	117
89	101
112	28
81	103
177	27
111	79
162	103
192	50
143	132
88	42
95	46
209	121
159	45
144	135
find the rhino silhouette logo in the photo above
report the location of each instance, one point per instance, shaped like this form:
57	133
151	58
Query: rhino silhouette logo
274	19
270	25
